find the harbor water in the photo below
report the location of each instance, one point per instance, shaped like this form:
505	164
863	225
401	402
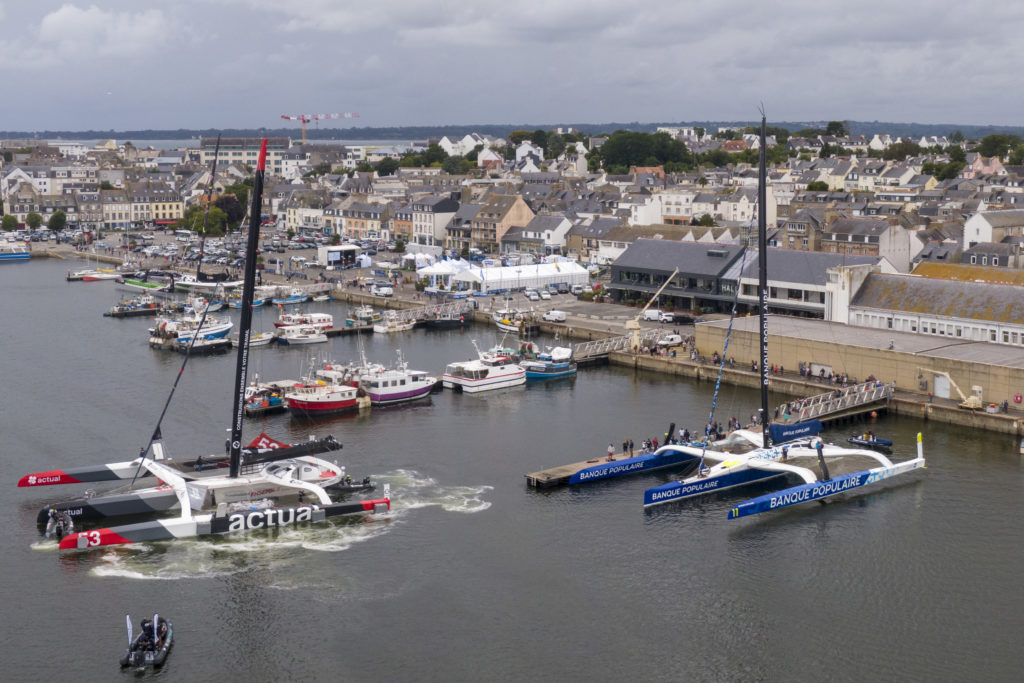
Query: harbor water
474	576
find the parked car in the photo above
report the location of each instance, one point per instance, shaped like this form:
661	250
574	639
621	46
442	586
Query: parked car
562	288
545	294
381	289
531	294
652	314
576	289
667	317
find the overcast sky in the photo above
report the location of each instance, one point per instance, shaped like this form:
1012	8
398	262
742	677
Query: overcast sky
123	64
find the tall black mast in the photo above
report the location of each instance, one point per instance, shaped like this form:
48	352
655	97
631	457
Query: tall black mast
762	280
206	215
245	325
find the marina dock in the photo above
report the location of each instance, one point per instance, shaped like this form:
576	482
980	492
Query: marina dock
558	476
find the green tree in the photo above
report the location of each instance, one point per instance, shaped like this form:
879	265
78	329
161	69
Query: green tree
33	220
399	246
997	145
233	211
105	185
456	165
517	136
956	137
387	166
901	150
58	221
539	138
464	254
240	191
817	186
335	238
957	153
9	223
192	220
707	221
807	133
434	154
699	131
555	146
836	128
474	153
949	170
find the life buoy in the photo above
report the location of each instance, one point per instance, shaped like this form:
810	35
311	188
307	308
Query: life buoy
1017	398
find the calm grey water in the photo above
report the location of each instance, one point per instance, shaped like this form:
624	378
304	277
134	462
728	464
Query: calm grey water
473	576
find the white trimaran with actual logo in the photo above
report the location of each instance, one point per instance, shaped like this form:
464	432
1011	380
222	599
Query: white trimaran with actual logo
748	457
264	487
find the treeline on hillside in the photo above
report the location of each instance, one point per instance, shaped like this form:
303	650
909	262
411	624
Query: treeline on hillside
868	128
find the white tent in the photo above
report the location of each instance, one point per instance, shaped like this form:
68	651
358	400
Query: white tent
490	280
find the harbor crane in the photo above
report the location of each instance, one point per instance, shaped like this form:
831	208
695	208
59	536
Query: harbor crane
633	326
316	118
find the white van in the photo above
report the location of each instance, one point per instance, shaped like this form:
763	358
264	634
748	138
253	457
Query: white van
554	316
652	314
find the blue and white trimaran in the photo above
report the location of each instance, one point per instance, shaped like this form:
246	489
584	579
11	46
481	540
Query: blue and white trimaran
779	451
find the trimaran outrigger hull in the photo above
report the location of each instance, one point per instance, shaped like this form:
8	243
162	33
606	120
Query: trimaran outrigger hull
211	524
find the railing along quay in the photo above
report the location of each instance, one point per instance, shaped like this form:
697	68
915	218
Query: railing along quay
835	404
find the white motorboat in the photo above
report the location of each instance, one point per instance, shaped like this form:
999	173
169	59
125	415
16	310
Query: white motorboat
183	327
300	334
390	386
323	321
486	372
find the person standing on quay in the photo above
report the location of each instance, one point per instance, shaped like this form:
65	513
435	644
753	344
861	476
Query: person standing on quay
611	452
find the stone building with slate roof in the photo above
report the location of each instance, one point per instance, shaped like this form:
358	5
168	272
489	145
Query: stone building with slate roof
952	311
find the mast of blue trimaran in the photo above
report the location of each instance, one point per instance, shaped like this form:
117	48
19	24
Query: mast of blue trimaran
245	324
762	280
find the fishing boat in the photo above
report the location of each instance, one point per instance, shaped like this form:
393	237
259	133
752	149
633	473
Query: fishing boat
261	399
190	283
182	328
321	395
151	646
320	298
293	296
300	334
273	485
323	321
556	363
140	306
392	323
10	251
509	320
362	315
140	284
392	386
449	320
777	451
485	372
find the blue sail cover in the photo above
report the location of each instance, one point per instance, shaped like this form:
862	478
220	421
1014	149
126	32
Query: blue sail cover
783	433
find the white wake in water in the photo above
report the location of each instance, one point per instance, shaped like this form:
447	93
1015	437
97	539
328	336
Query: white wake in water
216	556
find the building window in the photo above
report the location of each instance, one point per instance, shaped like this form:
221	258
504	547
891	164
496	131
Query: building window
995	260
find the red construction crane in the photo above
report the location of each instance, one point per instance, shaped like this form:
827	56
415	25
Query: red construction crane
306	118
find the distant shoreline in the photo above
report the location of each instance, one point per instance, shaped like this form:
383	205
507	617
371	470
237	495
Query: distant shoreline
500	130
